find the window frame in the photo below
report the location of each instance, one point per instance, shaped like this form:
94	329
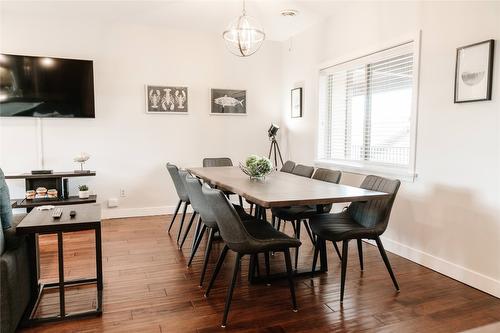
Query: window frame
407	173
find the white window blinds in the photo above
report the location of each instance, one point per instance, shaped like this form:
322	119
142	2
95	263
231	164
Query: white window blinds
366	109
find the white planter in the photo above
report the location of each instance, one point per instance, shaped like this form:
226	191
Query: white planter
83	194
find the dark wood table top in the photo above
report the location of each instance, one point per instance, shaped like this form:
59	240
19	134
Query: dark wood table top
62	174
281	189
41	221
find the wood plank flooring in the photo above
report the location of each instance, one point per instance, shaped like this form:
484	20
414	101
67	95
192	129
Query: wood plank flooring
147	288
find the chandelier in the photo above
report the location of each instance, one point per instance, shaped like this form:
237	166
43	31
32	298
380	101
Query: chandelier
244	36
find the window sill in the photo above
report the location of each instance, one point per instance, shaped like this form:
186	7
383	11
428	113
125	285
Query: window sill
403	174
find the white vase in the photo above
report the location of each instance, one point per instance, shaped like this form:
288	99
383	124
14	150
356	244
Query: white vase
83	194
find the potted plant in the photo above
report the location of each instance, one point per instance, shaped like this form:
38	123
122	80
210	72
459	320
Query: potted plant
257	167
83	191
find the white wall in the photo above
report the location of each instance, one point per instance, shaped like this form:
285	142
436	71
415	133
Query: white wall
449	218
129	148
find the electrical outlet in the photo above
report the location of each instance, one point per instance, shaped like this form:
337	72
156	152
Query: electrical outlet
122	193
113	202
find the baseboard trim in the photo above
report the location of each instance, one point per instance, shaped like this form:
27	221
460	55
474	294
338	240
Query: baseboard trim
457	272
116	213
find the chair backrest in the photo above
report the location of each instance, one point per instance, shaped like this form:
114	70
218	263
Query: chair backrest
303	170
375	213
217	162
230	226
199	201
173	170
288	167
327	175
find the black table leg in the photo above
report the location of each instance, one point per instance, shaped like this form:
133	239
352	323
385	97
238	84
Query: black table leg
323	262
60	257
320	209
98	260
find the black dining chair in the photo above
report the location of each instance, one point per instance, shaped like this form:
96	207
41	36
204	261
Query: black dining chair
299	215
288	167
361	220
245	239
303	170
207	219
220	162
173	170
217	162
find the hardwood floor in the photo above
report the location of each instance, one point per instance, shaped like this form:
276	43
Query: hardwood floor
147	288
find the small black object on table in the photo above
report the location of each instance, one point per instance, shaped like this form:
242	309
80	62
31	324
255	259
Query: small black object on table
37	222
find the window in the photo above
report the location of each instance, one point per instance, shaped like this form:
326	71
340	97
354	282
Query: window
367	112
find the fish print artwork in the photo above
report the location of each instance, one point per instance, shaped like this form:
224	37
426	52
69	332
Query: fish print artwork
226	101
166	99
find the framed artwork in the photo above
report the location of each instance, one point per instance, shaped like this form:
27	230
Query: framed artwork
474	72
166	99
228	102
296	103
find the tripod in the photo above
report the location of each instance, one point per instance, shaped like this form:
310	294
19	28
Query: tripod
274	147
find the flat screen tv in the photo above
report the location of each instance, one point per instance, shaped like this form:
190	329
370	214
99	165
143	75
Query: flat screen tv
46	87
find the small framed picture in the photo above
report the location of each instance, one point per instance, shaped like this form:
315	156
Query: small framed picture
228	102
166	99
296	103
474	72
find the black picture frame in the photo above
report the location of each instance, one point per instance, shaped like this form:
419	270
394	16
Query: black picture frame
293	112
489	74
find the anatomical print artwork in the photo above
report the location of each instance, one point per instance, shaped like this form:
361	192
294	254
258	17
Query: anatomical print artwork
165	99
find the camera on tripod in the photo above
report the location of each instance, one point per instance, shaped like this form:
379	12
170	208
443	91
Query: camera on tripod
275	148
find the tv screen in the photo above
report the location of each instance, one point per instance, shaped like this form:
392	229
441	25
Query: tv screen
46	87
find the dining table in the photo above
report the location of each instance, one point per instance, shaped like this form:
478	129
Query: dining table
281	189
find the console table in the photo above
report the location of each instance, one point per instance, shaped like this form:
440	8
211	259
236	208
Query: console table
51	180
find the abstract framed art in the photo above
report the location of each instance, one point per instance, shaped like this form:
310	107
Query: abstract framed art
474	72
296	102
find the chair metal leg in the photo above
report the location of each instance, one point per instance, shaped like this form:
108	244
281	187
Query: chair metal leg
323	255
257	264
268	266
360	253
288	263
197	244
182	221
251	268
345	248
257	211
211	233
188	229
298	226
231	289
337	249
263	214
251	208
317	246
386	261
196	232
308	229
222	256
241	200
279	224
175	215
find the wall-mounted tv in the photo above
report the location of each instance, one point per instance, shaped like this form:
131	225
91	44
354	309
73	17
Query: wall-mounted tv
46	87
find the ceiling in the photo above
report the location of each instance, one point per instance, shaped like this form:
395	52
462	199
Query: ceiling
202	15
